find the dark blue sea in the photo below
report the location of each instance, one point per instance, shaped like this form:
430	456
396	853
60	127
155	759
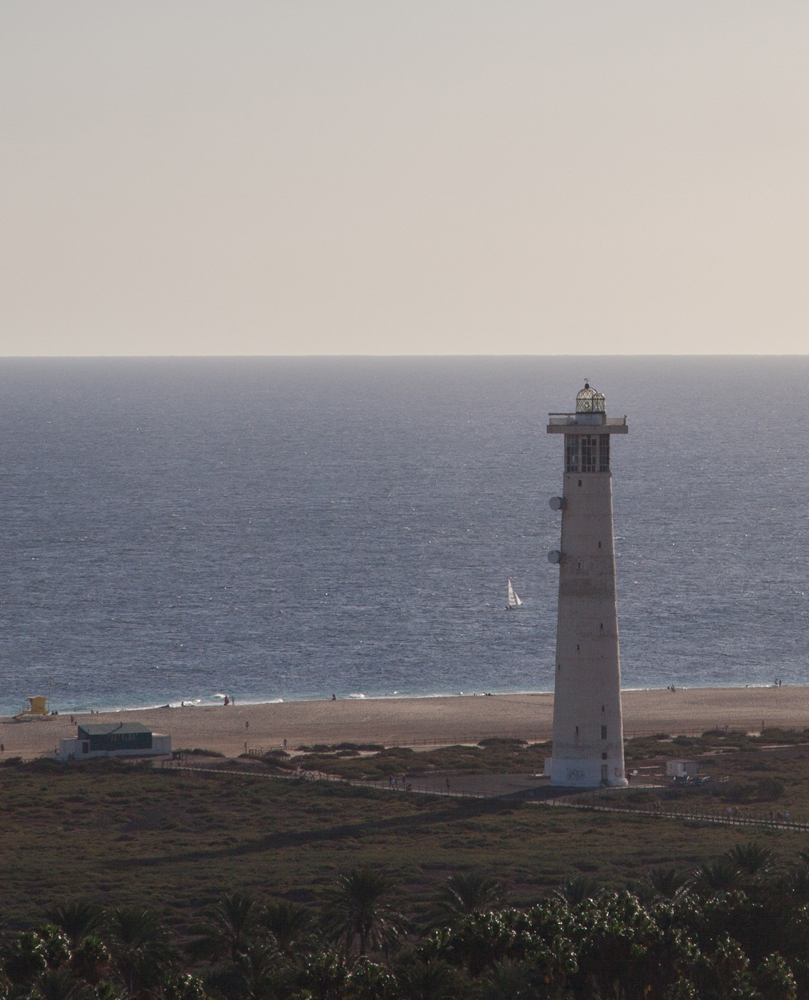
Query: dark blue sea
279	528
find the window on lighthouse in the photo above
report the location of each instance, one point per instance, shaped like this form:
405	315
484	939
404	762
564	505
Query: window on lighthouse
588	454
571	454
603	453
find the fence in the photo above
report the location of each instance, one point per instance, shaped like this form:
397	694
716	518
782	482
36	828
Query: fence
723	817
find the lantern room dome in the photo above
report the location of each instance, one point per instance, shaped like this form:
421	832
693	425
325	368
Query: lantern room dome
590	401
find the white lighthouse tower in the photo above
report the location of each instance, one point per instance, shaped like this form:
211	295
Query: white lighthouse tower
588	738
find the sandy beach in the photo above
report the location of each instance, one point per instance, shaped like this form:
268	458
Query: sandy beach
421	721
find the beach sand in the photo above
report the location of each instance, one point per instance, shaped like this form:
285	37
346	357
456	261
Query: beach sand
421	721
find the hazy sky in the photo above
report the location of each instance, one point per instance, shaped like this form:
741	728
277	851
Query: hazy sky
413	177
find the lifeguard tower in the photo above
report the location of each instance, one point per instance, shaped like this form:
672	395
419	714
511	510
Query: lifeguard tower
37	708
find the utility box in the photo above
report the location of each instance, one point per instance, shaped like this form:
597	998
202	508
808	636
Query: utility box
682	769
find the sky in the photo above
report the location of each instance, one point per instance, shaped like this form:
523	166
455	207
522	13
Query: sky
249	177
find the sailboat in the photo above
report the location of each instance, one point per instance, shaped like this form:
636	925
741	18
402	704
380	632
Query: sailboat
513	598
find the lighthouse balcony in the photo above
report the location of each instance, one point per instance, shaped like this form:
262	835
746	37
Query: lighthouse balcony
583	423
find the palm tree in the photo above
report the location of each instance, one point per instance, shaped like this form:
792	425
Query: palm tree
229	927
77	918
667	882
139	944
370	981
25	959
91	959
427	980
258	964
577	890
462	895
723	876
750	858
57	946
355	912
507	980
795	884
62	984
325	975
289	924
177	985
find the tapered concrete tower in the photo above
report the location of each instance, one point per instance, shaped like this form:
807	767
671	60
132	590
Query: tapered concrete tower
588	737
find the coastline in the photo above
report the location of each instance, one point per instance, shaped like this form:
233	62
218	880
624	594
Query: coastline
423	721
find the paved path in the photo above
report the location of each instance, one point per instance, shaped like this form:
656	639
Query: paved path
480	786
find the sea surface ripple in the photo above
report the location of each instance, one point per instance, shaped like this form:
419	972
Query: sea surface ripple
177	529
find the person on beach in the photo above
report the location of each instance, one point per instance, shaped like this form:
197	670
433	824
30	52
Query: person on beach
227	701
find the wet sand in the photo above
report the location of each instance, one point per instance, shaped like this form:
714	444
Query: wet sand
421	721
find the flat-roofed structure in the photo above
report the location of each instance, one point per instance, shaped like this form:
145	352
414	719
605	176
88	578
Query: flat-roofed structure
682	769
114	739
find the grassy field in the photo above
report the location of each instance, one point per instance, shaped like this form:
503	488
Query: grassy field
172	840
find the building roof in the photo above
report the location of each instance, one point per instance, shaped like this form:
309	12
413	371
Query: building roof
114	728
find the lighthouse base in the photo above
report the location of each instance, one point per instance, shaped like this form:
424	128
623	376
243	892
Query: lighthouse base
577	773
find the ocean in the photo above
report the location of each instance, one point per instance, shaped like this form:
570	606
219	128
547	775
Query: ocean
288	528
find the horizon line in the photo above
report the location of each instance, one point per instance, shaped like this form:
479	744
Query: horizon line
169	357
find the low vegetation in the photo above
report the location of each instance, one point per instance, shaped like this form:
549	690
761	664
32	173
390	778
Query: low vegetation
353	761
712	741
735	927
492	898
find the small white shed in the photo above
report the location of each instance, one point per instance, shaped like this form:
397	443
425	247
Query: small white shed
681	768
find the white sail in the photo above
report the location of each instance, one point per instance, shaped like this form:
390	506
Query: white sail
513	598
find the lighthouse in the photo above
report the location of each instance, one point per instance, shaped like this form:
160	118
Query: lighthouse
588	738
